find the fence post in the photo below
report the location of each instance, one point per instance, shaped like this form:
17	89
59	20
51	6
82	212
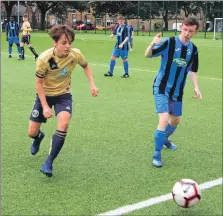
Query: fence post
138	20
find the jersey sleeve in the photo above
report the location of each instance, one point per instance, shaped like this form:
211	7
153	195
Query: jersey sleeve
115	30
82	61
159	48
41	68
194	65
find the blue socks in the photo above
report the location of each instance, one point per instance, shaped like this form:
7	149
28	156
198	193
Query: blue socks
10	50
159	138
112	66
126	66
19	50
169	130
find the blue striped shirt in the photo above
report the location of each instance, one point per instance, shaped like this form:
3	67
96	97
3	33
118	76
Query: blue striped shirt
177	60
122	32
130	28
12	29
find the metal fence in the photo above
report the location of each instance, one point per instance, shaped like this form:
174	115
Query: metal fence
145	22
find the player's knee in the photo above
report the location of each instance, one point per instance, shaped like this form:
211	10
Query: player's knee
113	57
175	120
32	132
10	45
18	45
163	121
63	126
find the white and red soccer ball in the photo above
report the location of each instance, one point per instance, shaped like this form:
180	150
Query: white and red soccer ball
186	193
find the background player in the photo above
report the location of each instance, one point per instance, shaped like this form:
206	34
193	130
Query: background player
179	56
26	37
121	48
131	32
12	36
53	76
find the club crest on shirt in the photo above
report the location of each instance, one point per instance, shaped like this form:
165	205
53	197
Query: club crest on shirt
64	72
189	52
180	62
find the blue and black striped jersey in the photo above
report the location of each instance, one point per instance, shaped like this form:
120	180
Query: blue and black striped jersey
177	60
122	32
12	29
130	28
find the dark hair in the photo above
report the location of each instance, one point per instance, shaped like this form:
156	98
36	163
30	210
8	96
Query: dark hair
25	16
190	21
58	30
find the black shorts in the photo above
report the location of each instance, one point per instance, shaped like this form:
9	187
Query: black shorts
26	39
60	103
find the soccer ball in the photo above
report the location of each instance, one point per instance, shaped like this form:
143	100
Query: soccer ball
186	193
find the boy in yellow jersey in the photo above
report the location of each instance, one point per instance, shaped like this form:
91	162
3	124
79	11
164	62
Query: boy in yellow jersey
26	29
53	76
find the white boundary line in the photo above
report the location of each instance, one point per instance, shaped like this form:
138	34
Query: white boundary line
131	69
156	200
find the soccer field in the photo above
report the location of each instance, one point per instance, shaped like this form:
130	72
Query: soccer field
106	160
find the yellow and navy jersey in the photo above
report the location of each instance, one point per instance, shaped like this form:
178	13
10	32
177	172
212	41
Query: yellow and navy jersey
177	59
26	28
56	72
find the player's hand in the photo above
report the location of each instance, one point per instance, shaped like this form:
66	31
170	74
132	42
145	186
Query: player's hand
120	46
112	35
94	91
156	39
197	94
47	112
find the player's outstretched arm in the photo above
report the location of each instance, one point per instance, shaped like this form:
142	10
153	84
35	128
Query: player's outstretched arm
193	76
47	112
156	40
88	73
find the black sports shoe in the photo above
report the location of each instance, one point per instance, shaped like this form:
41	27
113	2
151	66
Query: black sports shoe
109	74
126	75
10	56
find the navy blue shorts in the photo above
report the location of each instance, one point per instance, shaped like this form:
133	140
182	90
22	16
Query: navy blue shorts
26	39
60	103
164	104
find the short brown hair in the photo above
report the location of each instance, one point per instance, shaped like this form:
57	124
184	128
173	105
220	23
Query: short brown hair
190	21
25	15
121	18
58	30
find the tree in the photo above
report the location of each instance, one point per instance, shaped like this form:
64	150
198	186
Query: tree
214	9
44	7
8	7
190	7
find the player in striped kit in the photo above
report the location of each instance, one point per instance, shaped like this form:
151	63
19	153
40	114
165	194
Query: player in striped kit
12	36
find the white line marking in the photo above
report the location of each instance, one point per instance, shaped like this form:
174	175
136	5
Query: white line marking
131	69
153	201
